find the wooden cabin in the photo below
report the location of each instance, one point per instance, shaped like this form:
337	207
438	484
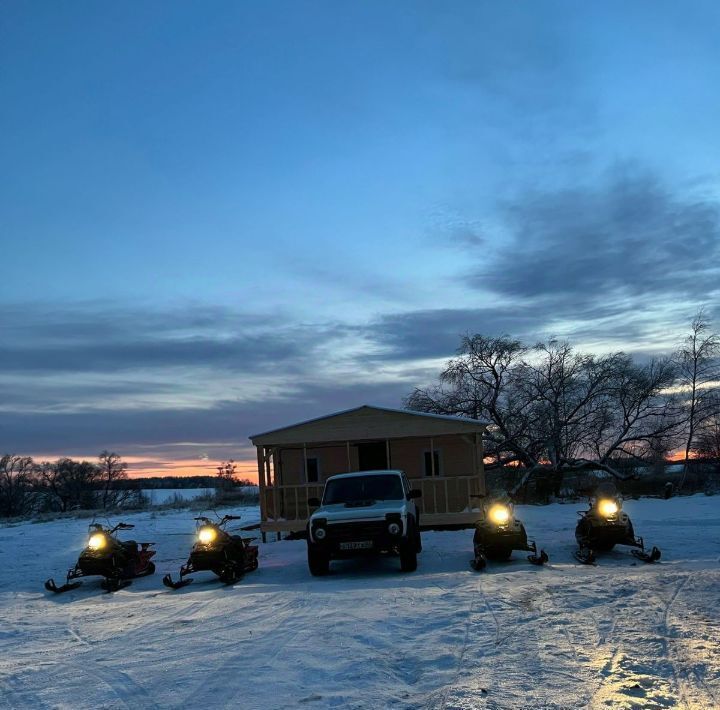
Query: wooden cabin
441	455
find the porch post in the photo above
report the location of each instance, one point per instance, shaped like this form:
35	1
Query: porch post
276	509
305	462
262	485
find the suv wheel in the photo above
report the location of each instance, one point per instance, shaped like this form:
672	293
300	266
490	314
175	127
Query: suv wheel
318	562
408	551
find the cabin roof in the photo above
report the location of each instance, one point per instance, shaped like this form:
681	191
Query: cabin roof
367	423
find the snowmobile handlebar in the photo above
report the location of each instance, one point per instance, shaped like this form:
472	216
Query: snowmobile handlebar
123	526
220	522
120	526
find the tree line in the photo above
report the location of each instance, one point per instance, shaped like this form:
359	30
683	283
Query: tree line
553	409
29	487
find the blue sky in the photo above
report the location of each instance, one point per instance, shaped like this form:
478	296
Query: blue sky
217	219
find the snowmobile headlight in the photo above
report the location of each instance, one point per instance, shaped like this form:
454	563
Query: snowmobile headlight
499	514
97	541
207	535
607	508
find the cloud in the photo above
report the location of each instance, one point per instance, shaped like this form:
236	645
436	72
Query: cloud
91	339
166	432
628	241
619	264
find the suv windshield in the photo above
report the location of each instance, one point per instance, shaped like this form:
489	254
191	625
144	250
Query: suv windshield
362	488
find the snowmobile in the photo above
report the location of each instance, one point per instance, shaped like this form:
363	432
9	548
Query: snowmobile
118	561
498	533
228	556
605	525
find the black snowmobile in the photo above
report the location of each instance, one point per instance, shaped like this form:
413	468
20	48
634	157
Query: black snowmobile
605	525
498	533
228	556
116	560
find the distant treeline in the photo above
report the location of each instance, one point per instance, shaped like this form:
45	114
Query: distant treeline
165	482
28	487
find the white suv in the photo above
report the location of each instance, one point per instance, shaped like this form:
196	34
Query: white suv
363	513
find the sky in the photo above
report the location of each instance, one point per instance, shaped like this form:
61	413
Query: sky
219	219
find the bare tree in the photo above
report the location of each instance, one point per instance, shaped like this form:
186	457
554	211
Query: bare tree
112	469
552	409
226	474
708	440
698	374
708	444
17	478
73	484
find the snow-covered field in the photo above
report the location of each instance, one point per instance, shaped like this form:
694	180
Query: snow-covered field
158	496
622	634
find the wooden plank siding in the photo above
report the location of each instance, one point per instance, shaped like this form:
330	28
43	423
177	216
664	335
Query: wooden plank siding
407	439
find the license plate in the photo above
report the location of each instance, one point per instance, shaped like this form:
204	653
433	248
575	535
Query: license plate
364	545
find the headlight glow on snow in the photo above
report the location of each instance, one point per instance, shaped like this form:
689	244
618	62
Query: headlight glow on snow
607	508
97	541
206	535
499	514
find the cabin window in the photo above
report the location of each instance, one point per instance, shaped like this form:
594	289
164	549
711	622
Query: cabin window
429	455
313	470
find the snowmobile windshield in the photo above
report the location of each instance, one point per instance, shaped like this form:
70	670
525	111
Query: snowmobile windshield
363	488
606	490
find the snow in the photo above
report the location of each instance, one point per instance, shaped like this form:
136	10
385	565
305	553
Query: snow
158	496
619	635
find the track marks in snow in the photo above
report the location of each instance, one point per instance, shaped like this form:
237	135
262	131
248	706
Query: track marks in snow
620	635
644	666
689	662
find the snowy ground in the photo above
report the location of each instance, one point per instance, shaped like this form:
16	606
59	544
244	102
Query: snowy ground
158	496
622	634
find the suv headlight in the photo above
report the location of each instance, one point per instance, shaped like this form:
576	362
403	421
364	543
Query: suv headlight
394	523
317	528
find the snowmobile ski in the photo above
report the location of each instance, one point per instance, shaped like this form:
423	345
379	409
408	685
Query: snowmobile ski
540	559
478	563
115	585
649	557
585	556
52	587
168	582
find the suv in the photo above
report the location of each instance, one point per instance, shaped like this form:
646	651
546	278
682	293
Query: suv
361	513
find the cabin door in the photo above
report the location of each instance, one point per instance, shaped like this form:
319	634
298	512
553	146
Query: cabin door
372	456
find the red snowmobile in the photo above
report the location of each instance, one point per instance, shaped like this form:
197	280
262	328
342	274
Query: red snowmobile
216	550
116	560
